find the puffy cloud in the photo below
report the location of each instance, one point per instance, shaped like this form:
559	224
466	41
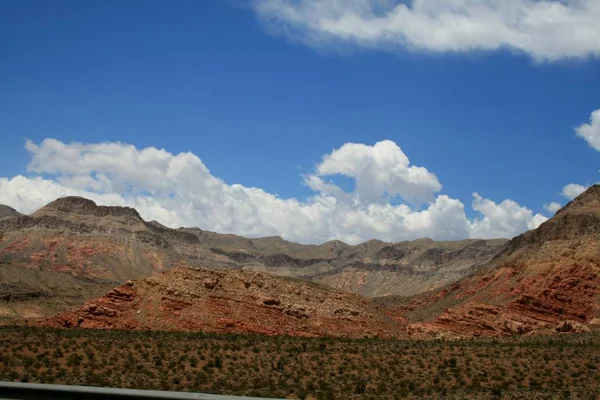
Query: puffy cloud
179	190
572	190
380	172
591	132
118	167
543	29
505	219
537	220
552	207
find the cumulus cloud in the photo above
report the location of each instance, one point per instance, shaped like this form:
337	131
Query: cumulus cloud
591	132
572	190
179	190
508	216
380	172
543	29
552	207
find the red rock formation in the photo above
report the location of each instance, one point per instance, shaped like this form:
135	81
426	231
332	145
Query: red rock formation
191	299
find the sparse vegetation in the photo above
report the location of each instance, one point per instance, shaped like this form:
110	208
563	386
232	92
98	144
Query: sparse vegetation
324	368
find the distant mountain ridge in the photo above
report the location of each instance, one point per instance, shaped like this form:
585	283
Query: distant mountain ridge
110	245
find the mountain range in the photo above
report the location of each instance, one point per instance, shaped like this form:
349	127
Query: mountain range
72	250
76	264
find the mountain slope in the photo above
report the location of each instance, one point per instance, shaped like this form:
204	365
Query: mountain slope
8	212
31	293
82	248
407	268
542	279
193	299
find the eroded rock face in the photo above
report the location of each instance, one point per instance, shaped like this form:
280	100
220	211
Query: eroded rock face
572	327
546	281
180	299
16	291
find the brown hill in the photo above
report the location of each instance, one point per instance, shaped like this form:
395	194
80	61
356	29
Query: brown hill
191	299
8	212
92	247
69	251
406	268
545	280
27	292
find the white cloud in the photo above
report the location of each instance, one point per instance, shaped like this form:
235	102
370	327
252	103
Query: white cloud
591	132
506	217
178	190
572	190
379	172
537	220
552	207
543	29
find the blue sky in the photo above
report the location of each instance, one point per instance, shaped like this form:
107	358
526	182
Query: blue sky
261	105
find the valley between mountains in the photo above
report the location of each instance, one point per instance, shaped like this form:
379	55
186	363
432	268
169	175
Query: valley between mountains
75	264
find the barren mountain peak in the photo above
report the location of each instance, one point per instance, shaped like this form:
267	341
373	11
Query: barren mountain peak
6	212
75	205
157	224
335	244
71	203
588	201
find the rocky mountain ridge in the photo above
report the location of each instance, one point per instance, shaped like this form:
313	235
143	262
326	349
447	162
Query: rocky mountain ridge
99	245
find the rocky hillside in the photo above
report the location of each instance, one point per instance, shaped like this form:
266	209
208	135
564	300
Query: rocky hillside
191	299
6	212
545	280
89	246
69	251
378	269
27	292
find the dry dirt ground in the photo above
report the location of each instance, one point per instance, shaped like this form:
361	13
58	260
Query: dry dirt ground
553	367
